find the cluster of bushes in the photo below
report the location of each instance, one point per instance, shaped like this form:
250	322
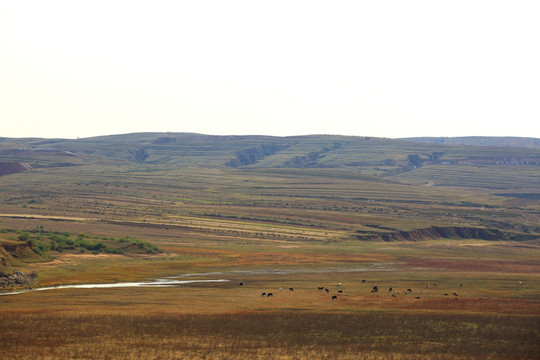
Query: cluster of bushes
42	242
141	244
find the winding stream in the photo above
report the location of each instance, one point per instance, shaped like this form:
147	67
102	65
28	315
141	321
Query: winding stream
153	283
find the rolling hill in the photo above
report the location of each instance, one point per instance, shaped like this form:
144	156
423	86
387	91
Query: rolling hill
507	141
315	151
347	187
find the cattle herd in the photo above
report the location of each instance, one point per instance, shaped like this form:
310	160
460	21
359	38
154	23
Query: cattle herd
374	289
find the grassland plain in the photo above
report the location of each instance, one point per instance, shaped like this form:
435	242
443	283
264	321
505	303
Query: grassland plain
301	213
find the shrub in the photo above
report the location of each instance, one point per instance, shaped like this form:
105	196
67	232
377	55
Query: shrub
24	236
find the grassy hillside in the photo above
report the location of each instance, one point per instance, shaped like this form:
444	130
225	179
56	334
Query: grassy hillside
381	156
289	191
325	182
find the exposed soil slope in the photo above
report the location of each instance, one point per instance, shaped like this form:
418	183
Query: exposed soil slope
17	278
9	252
452	232
13	167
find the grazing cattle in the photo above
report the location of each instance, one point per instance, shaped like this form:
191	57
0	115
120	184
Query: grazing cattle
427	286
334	297
340	291
263	294
434	284
455	294
241	283
280	289
409	290
460	284
520	283
363	281
327	291
418	297
390	290
445	294
393	295
320	288
269	294
291	289
338	284
375	289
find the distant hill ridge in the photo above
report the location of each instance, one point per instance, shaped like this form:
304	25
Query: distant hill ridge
374	156
507	141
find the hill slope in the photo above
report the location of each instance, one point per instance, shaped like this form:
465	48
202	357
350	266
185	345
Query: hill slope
316	187
375	155
481	141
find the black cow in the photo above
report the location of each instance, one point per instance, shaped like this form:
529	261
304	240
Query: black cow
334	297
270	294
320	288
291	289
327	291
375	289
263	294
390	290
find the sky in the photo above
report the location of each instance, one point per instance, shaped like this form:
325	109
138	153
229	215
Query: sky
392	69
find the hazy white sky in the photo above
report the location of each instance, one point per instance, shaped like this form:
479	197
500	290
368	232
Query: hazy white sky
375	68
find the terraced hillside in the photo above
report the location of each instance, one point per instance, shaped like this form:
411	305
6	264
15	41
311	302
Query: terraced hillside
341	185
